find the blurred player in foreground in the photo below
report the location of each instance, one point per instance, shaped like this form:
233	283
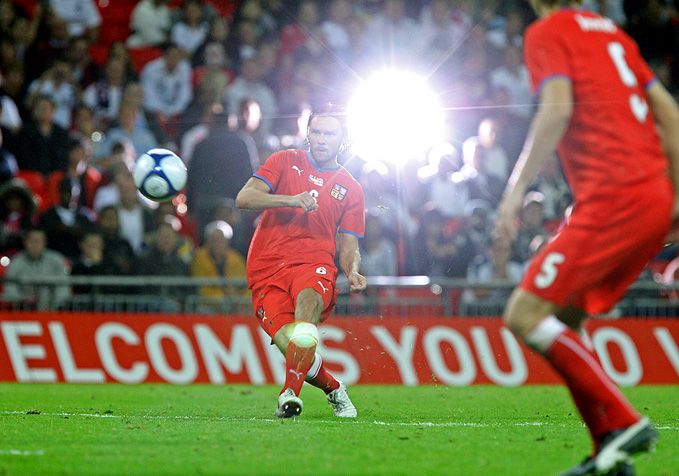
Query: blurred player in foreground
308	199
597	103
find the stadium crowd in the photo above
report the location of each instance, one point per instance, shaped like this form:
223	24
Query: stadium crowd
87	86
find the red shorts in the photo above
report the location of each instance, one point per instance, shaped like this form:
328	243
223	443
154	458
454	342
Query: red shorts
603	248
274	299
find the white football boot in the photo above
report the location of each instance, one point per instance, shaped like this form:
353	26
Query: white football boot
341	403
289	405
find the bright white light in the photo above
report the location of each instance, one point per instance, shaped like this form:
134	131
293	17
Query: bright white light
394	117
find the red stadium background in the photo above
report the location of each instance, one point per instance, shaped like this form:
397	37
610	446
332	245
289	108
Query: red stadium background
125	348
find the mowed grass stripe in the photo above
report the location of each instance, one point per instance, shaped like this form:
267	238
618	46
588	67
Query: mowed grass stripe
203	429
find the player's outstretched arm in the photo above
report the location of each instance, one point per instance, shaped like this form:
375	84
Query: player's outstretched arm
666	113
548	126
350	262
256	195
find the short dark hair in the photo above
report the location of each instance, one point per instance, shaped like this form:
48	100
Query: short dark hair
331	110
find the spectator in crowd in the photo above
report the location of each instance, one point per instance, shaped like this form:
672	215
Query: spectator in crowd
484	163
391	36
83	178
10	118
13	87
116	172
244	43
508	31
216	259
613	9
495	264
41	144
135	218
121	52
446	188
130	131
483	153
210	91
531	226
378	252
17	214
379	195
24	31
66	223
47	47
81	16
84	126
241	224
441	252
57	83
475	227
218	34
196	134
150	23
440	36
105	95
191	30
336	28
39	262
118	258
554	189
296	34
167	85
163	256
133	94
183	225
79	61
90	262
248	85
512	76
221	164
8	162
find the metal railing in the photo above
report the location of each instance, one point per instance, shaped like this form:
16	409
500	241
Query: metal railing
405	296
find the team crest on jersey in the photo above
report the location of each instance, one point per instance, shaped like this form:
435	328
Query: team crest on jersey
316	180
338	192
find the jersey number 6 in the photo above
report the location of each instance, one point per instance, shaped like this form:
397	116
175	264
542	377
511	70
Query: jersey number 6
638	105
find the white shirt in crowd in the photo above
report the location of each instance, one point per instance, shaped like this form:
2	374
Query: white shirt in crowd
132	227
78	14
104	100
166	91
63	95
187	37
150	24
10	117
517	86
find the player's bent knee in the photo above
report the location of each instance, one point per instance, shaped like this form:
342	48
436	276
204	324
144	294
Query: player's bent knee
304	334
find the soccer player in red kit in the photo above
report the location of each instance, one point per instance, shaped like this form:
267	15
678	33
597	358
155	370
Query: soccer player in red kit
614	127
308	200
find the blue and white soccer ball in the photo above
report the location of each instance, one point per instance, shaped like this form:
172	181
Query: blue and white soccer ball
159	174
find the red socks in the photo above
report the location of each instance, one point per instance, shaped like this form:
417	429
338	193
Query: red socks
602	406
319	377
298	360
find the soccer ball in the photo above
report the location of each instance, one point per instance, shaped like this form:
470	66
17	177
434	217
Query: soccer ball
159	174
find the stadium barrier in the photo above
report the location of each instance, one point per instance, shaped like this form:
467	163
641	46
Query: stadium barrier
386	296
185	349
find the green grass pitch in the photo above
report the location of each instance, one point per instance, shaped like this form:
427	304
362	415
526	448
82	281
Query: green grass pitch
162	429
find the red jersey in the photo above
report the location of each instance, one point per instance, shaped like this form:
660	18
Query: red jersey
611	142
291	236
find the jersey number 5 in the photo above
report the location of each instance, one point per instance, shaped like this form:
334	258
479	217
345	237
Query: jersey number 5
638	105
548	270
